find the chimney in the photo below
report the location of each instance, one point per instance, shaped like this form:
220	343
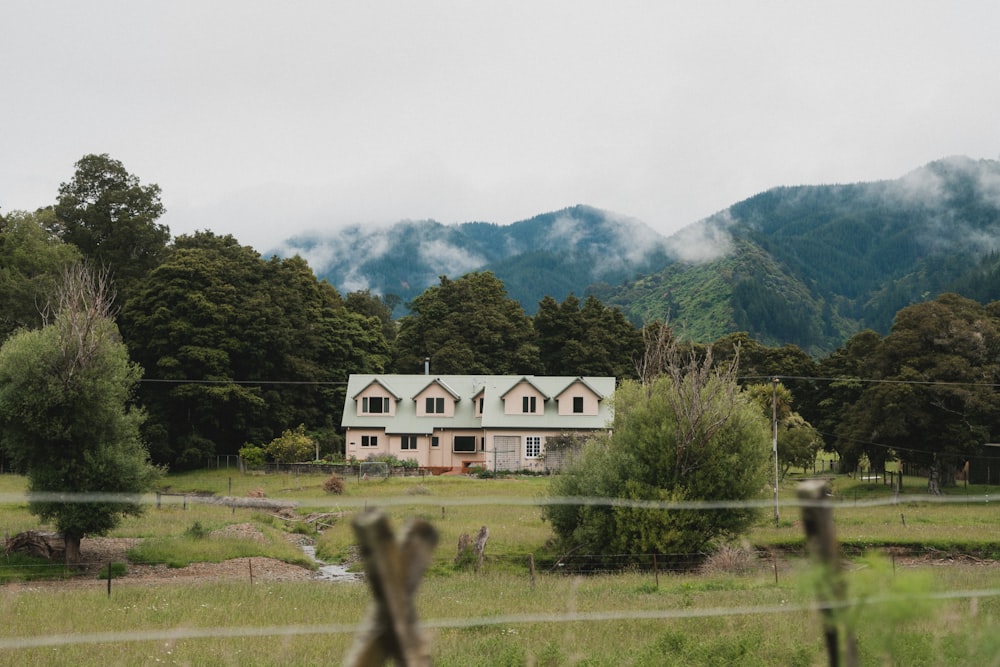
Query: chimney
427	365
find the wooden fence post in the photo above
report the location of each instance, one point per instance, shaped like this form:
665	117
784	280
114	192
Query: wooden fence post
817	517
394	568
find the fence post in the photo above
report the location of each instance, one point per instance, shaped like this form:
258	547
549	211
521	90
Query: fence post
817	517
531	570
394	567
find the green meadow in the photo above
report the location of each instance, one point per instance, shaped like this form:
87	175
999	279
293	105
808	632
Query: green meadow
942	609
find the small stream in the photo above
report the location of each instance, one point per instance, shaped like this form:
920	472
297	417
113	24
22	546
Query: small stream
329	572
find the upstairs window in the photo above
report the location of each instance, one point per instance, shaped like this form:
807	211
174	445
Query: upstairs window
578	405
434	406
373	405
528	404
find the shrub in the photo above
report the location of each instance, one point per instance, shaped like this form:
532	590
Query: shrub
292	446
253	455
334	484
196	531
687	436
729	559
256	492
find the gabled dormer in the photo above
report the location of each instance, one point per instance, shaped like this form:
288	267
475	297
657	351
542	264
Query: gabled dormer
524	398
578	398
377	399
436	399
478	401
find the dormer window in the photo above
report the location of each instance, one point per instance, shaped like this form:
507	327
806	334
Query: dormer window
529	404
434	405
578	405
374	405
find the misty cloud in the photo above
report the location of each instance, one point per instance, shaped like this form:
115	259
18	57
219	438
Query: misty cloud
449	259
703	241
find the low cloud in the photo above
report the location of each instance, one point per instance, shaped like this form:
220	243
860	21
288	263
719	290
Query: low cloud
703	241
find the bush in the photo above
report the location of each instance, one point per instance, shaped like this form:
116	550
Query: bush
196	531
292	447
253	455
685	437
334	484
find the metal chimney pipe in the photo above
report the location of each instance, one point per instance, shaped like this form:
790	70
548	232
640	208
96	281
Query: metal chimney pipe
427	365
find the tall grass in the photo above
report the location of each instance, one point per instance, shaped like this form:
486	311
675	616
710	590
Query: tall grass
498	618
495	616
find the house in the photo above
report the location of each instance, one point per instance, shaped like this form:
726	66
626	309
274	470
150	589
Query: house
499	422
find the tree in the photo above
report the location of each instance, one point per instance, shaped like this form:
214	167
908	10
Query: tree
931	401
587	339
686	435
238	349
468	326
111	217
32	261
798	441
67	415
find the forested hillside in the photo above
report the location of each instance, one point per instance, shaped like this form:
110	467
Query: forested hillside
811	265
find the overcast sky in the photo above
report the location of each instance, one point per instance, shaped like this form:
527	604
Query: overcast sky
266	119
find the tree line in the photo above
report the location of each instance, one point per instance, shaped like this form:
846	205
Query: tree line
237	348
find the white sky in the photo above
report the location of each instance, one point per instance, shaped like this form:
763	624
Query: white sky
265	119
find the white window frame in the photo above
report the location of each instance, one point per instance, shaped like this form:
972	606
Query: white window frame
532	446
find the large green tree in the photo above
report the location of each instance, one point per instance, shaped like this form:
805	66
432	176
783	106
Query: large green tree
586	339
111	217
468	326
931	400
32	262
238	349
688	435
67	416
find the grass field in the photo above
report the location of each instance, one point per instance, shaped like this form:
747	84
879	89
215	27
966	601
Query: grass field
762	615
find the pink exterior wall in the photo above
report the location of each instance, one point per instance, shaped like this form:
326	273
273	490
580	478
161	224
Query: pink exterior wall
435	391
513	403
565	400
376	390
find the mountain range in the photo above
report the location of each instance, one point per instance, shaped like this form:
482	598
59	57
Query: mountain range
808	265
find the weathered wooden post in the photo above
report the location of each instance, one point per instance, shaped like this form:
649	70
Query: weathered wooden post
394	569
817	517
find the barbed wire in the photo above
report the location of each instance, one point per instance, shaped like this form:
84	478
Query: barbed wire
219	632
404	500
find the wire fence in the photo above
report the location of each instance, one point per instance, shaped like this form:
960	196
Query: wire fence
750	563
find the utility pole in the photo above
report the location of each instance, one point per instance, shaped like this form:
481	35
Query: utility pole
774	442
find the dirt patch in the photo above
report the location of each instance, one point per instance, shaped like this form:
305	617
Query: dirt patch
97	552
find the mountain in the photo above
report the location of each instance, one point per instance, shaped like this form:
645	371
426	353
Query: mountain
809	265
551	254
812	265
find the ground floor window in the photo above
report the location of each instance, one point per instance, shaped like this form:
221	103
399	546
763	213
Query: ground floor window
465	443
369	441
533	446
408	442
